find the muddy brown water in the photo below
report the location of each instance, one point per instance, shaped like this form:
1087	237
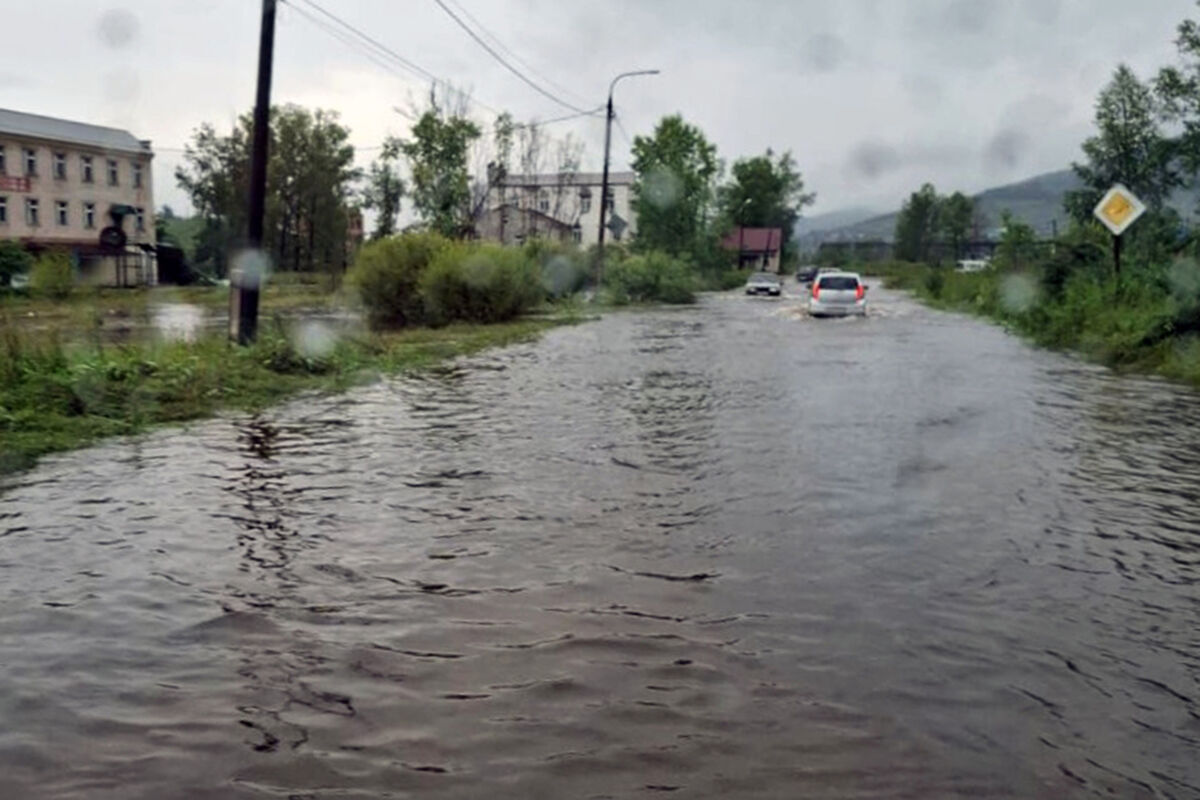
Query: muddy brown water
717	552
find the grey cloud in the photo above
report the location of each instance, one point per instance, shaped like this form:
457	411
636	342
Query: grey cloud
873	159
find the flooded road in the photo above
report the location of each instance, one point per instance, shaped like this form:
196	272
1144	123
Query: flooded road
717	552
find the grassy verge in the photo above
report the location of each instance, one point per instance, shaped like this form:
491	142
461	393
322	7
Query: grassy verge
89	309
1142	322
55	398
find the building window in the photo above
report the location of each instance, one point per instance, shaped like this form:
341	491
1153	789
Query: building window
3	160
140	216
86	162
60	166
30	162
60	212
576	233
112	172
3	209
31	212
137	175
543	202
585	202
610	201
89	215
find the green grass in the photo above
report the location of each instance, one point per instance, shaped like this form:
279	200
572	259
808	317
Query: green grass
1134	324
56	397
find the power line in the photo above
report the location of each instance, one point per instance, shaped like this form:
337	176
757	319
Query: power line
471	32
515	57
354	44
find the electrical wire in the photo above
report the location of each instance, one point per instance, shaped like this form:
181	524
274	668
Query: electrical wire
528	81
514	56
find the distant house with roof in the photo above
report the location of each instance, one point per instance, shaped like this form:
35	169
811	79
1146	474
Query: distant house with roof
756	248
563	206
82	188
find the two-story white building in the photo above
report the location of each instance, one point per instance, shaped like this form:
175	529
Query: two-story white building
561	206
81	188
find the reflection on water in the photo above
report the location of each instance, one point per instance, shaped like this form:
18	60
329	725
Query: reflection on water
717	552
178	321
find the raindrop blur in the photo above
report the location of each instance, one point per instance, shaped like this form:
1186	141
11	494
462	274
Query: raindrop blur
1018	293
314	339
1007	148
873	159
824	52
662	187
251	268
559	276
121	87
118	28
1184	278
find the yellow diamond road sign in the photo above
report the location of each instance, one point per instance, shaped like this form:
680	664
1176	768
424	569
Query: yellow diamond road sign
1118	209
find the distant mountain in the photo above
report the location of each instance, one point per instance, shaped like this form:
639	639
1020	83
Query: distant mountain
1037	201
832	220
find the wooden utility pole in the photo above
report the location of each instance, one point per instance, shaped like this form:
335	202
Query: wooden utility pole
245	284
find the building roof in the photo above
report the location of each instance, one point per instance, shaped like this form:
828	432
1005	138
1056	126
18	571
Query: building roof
18	123
763	240
569	179
532	212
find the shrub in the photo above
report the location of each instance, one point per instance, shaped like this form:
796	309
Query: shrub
14	260
53	275
480	283
653	277
387	276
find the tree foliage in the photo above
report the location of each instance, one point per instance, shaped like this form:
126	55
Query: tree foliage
385	189
1129	147
676	172
917	225
955	217
765	192
1178	89
437	153
310	174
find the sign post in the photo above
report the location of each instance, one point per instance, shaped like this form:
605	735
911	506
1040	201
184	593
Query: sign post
1118	209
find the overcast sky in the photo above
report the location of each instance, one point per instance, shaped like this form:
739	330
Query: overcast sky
872	96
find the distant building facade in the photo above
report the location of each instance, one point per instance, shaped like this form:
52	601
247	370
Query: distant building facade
756	248
82	188
560	206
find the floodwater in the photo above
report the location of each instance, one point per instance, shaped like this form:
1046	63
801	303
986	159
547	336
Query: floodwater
717	552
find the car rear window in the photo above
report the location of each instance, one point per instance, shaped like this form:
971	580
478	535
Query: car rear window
836	282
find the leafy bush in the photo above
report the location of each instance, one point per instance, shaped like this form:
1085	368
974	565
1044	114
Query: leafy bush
14	260
387	276
53	275
653	277
480	283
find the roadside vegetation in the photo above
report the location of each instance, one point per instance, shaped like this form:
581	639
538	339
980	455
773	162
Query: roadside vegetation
1068	291
55	396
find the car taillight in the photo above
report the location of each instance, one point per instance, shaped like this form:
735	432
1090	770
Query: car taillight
816	290
859	292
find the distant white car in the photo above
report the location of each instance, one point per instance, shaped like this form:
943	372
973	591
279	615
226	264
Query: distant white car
764	283
972	265
838	294
19	281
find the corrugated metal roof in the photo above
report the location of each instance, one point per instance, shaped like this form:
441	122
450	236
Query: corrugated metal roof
18	123
567	179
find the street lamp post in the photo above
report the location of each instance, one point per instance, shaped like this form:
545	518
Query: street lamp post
604	179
